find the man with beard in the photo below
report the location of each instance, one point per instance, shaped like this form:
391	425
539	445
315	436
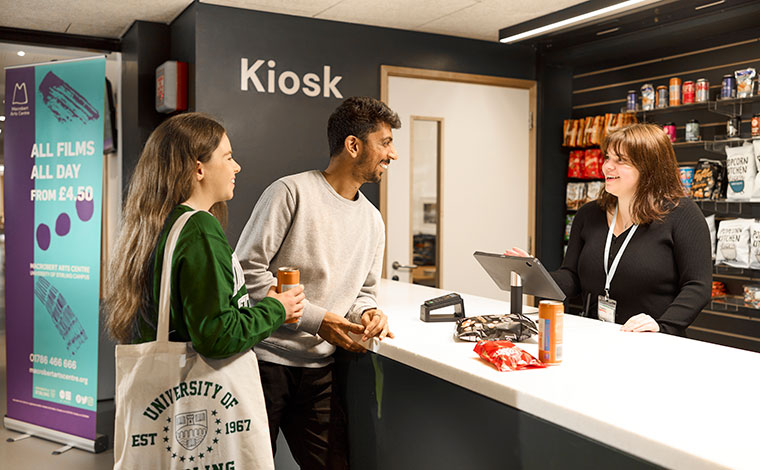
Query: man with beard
320	223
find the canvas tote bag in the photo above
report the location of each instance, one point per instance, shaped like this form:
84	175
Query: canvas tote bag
176	409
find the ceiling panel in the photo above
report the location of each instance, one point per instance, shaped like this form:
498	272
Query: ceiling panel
293	7
484	19
105	18
394	14
478	19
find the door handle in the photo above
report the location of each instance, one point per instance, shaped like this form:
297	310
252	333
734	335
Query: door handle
400	267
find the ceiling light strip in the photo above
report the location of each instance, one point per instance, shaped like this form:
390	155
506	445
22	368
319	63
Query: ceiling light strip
710	5
572	21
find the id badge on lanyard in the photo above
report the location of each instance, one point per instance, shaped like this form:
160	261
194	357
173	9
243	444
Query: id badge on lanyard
606	306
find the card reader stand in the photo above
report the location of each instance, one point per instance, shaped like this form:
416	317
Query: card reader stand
448	300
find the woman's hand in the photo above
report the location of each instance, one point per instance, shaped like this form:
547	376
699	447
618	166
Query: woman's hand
639	323
517	252
292	300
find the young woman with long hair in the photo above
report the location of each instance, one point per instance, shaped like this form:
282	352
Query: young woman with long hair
640	254
187	165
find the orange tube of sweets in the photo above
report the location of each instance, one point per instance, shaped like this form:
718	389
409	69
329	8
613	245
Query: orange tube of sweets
550	320
287	278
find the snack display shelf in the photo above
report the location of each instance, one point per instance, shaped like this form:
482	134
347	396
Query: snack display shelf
695	143
734	304
741	273
719	144
731	107
668	109
723	207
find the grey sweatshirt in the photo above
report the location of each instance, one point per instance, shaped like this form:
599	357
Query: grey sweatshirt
337	244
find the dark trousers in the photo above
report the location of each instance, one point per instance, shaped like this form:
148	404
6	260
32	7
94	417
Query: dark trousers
301	401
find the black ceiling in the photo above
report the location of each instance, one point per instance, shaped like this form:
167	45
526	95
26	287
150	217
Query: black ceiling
668	28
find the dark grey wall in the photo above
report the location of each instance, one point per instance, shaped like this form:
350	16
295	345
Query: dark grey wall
274	135
145	46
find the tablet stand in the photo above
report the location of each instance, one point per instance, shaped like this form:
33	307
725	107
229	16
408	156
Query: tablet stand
515	293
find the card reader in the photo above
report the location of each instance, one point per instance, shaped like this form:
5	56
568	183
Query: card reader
439	302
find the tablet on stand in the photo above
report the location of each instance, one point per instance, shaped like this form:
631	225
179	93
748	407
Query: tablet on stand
519	275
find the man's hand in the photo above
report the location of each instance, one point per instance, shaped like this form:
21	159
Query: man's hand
375	324
334	329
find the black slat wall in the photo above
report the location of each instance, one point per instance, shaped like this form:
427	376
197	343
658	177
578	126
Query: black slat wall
598	90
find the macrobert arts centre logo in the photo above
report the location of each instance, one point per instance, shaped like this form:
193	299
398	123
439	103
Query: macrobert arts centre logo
193	434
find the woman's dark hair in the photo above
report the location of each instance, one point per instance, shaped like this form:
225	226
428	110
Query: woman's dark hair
358	116
650	151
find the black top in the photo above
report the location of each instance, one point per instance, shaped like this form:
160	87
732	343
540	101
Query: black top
665	272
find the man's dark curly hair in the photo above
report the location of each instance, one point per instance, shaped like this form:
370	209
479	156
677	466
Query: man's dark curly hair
358	116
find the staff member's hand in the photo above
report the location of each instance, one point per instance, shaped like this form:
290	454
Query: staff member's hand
375	324
639	323
517	252
334	329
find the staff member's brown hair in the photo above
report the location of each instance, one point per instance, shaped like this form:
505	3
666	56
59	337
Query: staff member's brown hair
649	150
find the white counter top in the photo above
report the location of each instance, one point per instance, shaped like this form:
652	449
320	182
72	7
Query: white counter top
676	402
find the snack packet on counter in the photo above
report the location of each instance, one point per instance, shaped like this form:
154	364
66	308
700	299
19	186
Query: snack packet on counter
510	327
505	356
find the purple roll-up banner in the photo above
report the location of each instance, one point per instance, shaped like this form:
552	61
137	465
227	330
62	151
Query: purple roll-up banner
53	165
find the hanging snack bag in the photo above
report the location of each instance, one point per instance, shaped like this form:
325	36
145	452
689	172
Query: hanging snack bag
754	247
592	164
574	164
741	171
576	195
568	225
718	289
710	219
505	356
708	179
734	243
745	80
594	190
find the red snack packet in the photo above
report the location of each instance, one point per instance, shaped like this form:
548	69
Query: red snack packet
506	356
575	161
592	164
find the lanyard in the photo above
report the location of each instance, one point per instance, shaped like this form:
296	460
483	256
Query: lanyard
610	272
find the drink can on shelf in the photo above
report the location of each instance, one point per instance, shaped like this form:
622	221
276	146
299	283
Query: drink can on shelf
675	91
662	97
550	320
647	97
689	92
687	176
670	129
631	99
728	88
692	131
733	127
703	90
756	125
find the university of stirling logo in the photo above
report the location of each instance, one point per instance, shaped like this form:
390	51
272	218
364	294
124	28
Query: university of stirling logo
191	428
194	431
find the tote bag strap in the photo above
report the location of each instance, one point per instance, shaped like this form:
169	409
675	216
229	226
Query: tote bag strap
166	277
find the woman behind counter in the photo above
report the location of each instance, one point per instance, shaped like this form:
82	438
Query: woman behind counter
652	239
187	165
